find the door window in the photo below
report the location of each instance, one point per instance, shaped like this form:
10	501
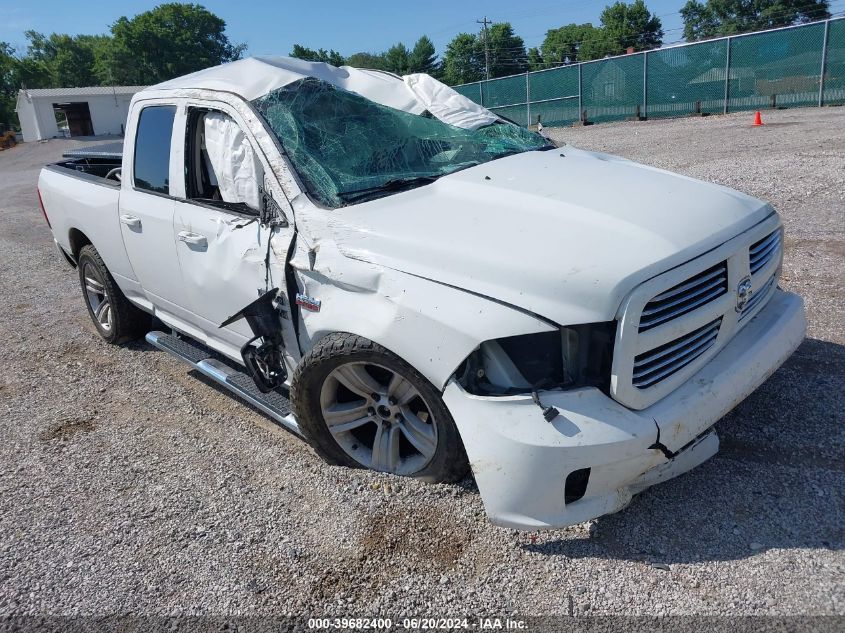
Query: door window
222	170
152	149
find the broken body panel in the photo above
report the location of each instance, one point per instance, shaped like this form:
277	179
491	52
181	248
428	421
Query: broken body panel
538	243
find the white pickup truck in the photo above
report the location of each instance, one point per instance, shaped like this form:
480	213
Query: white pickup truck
434	288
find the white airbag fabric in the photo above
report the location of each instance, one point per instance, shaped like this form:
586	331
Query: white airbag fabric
448	105
231	160
255	77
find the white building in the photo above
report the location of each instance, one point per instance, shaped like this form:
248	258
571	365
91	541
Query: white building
56	112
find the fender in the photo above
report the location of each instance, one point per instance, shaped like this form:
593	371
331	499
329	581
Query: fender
432	326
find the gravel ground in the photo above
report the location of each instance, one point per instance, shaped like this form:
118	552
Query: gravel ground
128	485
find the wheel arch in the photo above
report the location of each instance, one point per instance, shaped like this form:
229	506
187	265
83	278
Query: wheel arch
77	239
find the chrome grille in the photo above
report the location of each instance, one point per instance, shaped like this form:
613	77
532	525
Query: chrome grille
761	253
685	297
657	364
756	298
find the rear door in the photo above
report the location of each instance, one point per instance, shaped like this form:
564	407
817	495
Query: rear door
224	251
147	207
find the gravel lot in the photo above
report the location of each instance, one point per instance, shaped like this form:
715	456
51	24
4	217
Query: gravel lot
127	484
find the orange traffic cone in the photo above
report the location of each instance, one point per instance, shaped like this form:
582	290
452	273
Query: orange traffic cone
758	120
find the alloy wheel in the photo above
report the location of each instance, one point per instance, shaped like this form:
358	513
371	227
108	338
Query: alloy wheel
97	297
379	418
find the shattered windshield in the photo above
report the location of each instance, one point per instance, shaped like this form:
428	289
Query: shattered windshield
347	149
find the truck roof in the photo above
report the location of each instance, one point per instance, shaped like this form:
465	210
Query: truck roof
255	77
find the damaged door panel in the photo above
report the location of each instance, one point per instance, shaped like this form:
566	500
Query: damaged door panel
227	244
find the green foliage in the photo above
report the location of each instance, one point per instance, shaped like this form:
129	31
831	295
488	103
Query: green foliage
170	40
572	43
463	62
507	51
397	59
62	60
465	59
321	55
423	57
622	26
374	61
715	18
631	26
8	85
535	59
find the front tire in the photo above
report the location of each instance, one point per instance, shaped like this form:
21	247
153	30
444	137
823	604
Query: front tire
115	318
362	406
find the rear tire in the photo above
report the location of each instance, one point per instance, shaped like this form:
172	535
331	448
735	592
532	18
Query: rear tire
384	414
115	318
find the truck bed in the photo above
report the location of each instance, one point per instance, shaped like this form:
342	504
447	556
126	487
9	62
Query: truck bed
96	161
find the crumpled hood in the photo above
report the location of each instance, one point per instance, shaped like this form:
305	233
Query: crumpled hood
565	233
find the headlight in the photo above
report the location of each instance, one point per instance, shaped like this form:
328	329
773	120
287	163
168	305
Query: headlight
574	356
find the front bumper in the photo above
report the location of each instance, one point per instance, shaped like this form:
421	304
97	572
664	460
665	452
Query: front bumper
521	462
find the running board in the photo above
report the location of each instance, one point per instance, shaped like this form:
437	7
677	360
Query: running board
274	404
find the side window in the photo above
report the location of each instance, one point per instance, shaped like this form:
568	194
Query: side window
221	168
152	149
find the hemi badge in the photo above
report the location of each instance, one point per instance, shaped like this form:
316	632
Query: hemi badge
307	302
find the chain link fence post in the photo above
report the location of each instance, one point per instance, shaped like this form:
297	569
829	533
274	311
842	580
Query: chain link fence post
580	94
824	62
481	93
527	99
727	73
645	85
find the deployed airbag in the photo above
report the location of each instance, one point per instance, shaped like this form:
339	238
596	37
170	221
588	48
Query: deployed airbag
232	162
448	105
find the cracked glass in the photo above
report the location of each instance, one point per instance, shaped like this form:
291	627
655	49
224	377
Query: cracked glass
348	149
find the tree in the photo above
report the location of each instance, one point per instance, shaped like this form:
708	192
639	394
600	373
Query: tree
564	45
507	51
631	26
397	59
622	26
170	40
63	60
462	62
373	61
8	83
535	59
322	55
715	18
423	57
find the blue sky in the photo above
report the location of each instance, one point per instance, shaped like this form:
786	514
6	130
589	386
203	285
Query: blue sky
272	27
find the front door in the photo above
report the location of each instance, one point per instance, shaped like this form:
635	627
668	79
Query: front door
223	250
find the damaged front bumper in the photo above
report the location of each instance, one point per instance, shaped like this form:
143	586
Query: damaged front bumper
527	468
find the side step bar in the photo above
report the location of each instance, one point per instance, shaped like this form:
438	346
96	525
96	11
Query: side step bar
274	404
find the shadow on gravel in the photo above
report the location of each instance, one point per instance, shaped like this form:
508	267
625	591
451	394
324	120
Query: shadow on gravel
778	481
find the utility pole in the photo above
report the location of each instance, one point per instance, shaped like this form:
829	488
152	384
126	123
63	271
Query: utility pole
485	22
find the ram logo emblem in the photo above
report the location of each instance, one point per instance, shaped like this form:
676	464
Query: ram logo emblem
743	294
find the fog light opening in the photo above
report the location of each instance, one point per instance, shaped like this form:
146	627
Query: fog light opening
576	485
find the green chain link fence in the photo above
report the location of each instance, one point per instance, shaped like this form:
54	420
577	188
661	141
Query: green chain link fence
789	67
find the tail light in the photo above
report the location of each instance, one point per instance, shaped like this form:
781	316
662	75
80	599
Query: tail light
43	210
